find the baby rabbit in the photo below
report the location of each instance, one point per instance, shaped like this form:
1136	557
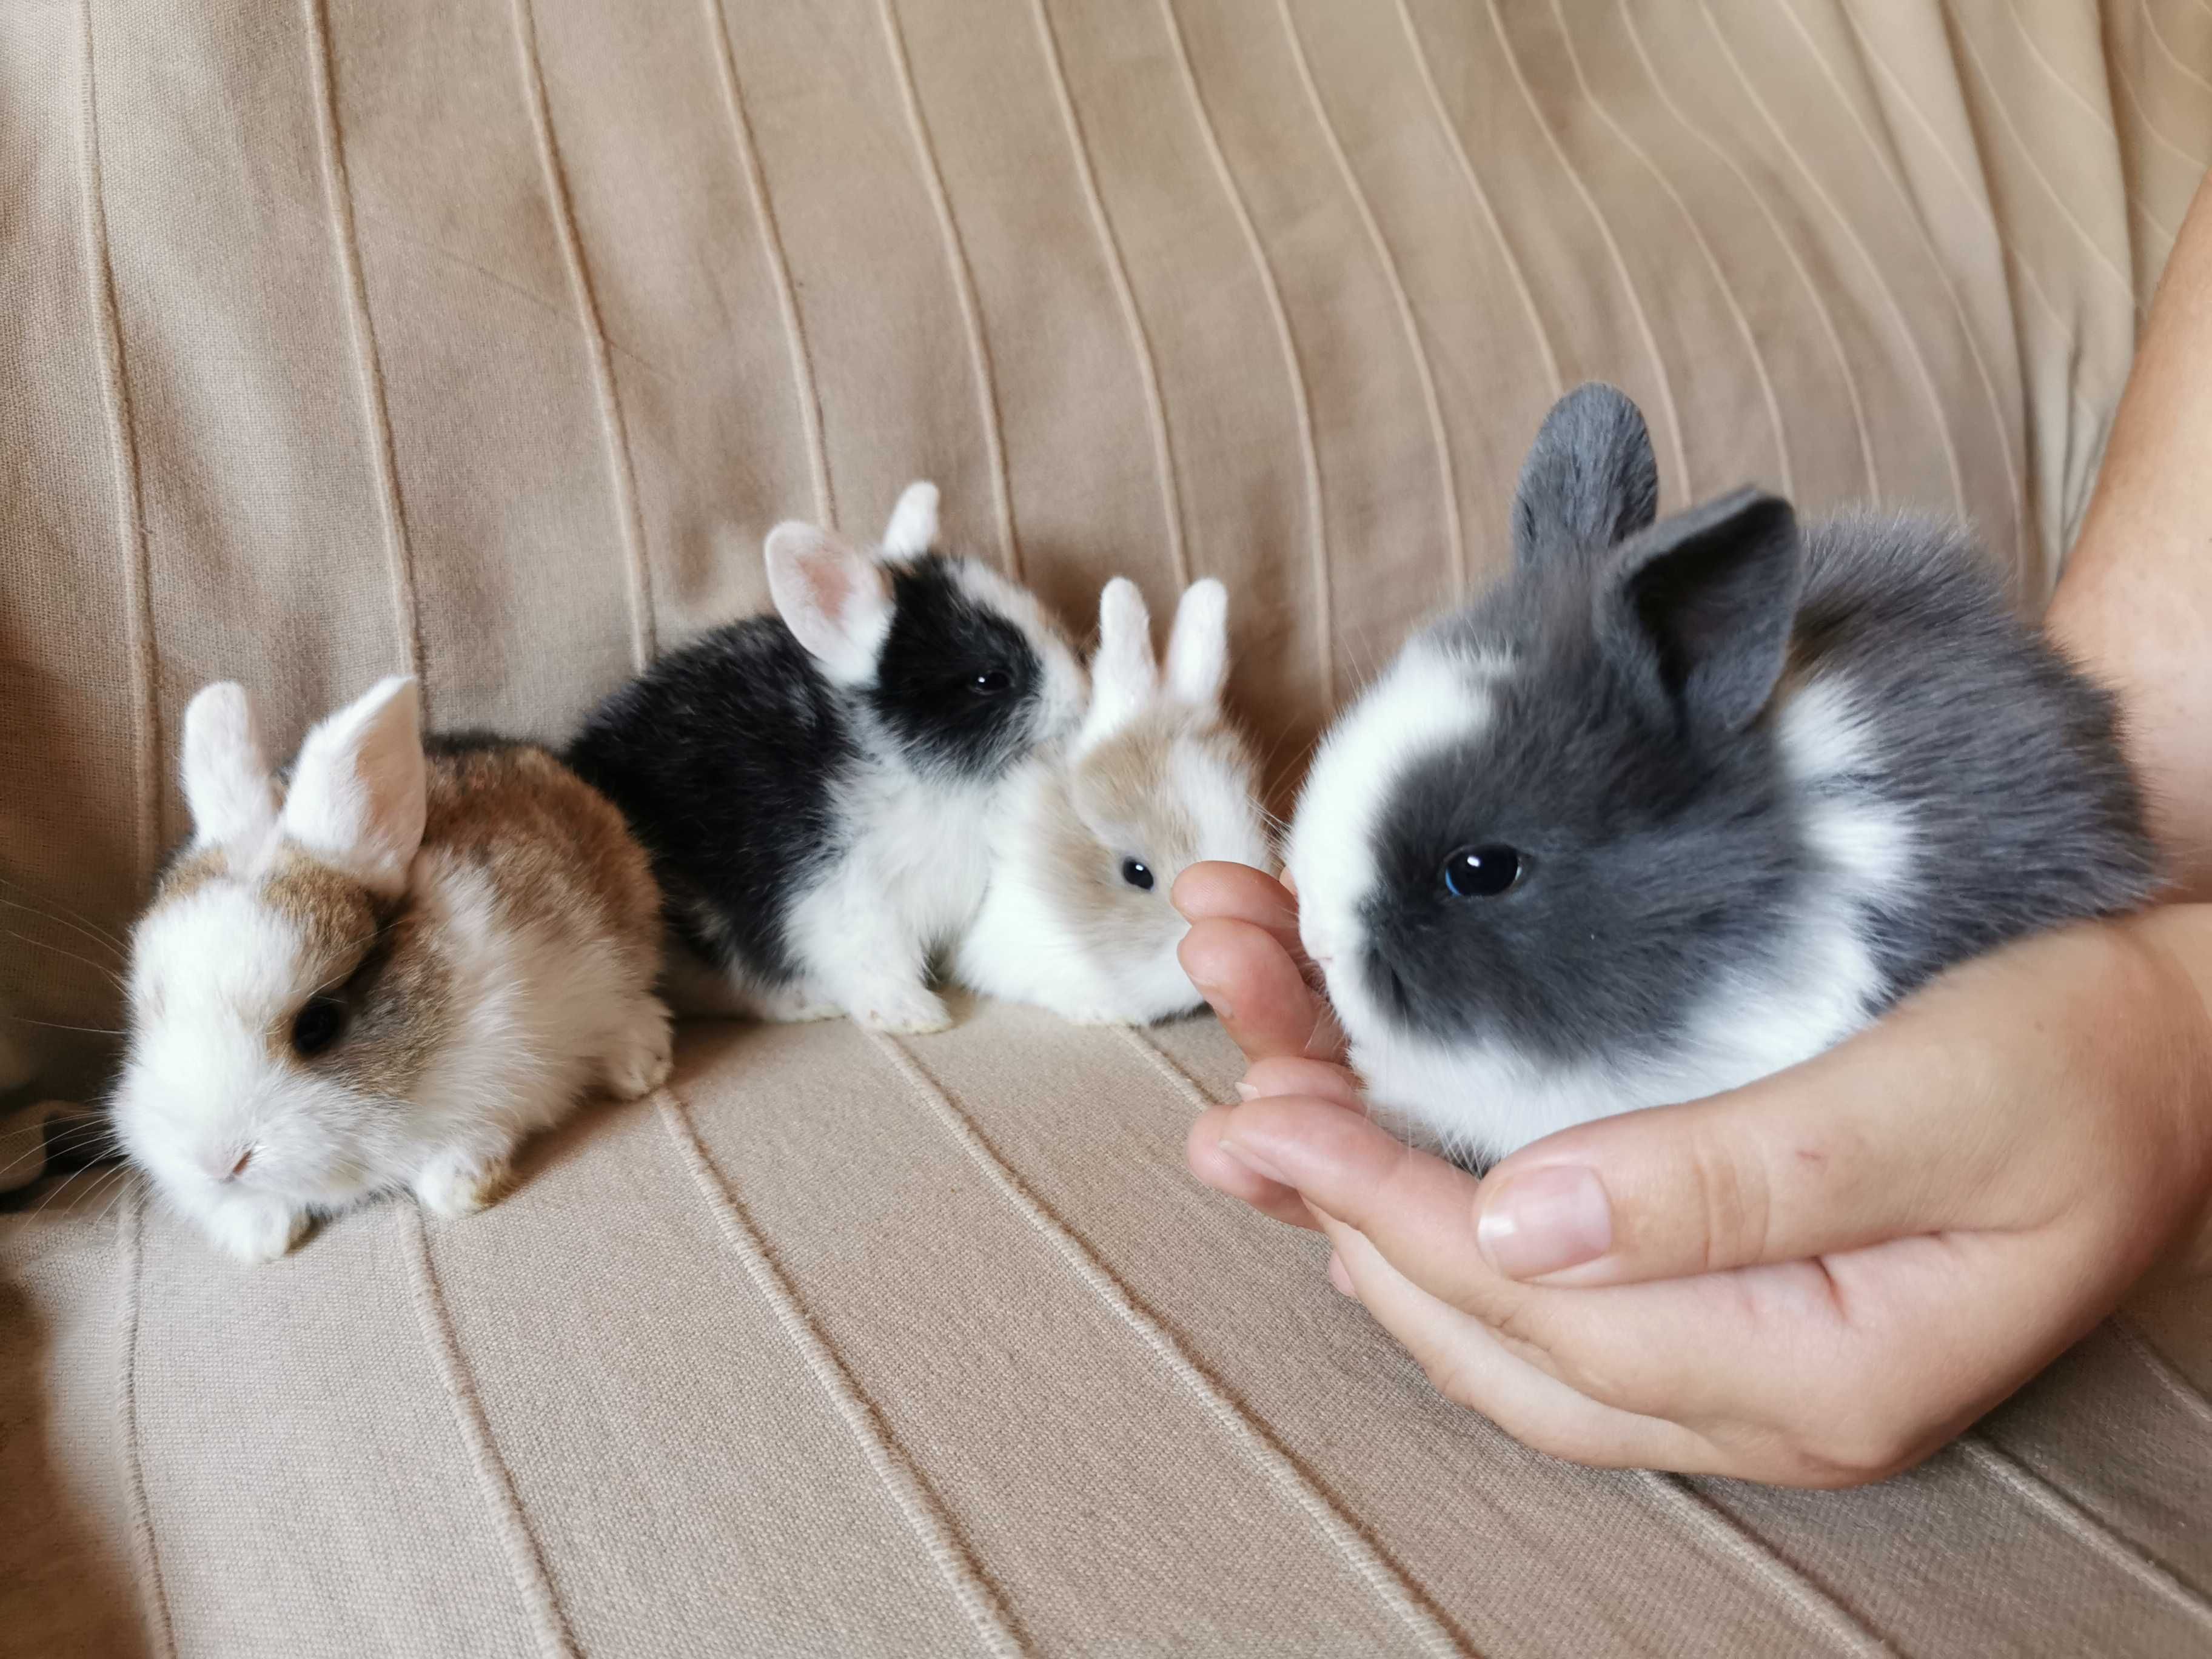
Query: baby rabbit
1679	804
382	974
816	787
1077	918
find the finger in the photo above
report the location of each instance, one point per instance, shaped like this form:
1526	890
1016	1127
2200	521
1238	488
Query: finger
1316	1079
1217	890
1468	1364
1226	1173
1951	1114
1417	1209
1255	987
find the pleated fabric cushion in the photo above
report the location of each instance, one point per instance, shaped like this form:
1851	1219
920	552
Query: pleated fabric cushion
485	338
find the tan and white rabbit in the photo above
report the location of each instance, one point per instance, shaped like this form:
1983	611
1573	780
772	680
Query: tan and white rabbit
1076	917
382	974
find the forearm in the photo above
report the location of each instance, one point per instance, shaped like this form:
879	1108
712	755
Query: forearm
2135	606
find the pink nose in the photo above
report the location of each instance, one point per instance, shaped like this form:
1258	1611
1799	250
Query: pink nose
218	1169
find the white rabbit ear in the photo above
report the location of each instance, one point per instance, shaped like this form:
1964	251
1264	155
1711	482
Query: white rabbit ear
913	529
359	789
227	785
1197	650
832	597
1123	677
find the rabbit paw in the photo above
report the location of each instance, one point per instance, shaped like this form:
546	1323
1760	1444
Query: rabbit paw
461	1183
641	1055
256	1233
910	1009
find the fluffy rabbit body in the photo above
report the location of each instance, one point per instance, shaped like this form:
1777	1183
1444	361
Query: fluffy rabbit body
1679	804
817	788
1077	918
382	974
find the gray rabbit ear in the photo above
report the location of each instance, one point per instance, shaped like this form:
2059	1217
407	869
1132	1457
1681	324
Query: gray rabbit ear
1591	480
1699	611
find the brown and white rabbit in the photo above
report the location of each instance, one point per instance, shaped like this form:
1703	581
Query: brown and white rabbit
1076	917
382	973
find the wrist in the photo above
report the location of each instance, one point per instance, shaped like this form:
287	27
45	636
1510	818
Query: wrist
2180	936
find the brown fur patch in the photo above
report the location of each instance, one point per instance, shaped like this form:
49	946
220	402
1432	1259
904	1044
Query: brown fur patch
556	850
1119	803
190	872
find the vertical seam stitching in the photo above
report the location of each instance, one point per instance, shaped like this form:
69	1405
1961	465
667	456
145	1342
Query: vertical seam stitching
1820	308
2038	1493
614	432
1896	309
1458	146
909	1492
1126	296
1612	246
1178	1080
130	1225
129	481
1447	477
779	263
963	282
525	1558
1389	1586
1308	445
1733	1539
337	198
2026	271
2159	1367
1697	234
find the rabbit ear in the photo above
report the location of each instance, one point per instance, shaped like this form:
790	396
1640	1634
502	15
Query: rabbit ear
227	785
1699	610
833	598
912	531
1591	480
358	792
1198	649
1123	678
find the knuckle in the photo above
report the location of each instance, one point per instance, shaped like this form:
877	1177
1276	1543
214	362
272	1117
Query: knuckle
1731	1197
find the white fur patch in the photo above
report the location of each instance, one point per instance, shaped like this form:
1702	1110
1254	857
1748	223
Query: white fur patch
1489	1099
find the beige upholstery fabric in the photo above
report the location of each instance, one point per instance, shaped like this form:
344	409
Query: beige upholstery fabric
485	338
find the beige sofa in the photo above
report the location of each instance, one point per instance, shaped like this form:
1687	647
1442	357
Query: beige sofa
484	338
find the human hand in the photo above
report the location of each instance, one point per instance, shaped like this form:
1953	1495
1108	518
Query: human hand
1815	1280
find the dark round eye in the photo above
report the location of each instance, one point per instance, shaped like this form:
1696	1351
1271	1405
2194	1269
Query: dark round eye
991	682
1138	874
1483	871
319	1024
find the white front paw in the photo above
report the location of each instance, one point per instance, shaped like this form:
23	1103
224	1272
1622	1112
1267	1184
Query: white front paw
461	1183
254	1231
910	1008
641	1055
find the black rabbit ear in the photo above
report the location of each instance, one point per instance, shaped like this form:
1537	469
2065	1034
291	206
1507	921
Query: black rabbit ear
1591	480
1697	611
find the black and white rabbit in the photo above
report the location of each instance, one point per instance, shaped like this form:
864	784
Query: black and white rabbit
816	786
1679	804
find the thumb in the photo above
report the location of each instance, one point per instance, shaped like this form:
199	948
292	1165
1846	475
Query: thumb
1913	1127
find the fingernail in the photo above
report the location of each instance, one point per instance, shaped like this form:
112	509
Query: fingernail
1546	1220
1247	1090
1254	1163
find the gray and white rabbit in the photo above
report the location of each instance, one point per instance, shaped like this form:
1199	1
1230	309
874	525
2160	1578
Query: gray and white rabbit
817	788
1678	805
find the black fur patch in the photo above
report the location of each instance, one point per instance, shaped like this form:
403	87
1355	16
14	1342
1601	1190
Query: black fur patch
723	758
942	644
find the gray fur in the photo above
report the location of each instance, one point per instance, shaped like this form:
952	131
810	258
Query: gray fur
1635	760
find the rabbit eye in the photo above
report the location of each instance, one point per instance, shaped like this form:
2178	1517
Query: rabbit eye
1138	874
1483	871
991	682
318	1024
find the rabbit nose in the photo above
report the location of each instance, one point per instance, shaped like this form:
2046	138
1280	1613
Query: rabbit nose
224	1169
